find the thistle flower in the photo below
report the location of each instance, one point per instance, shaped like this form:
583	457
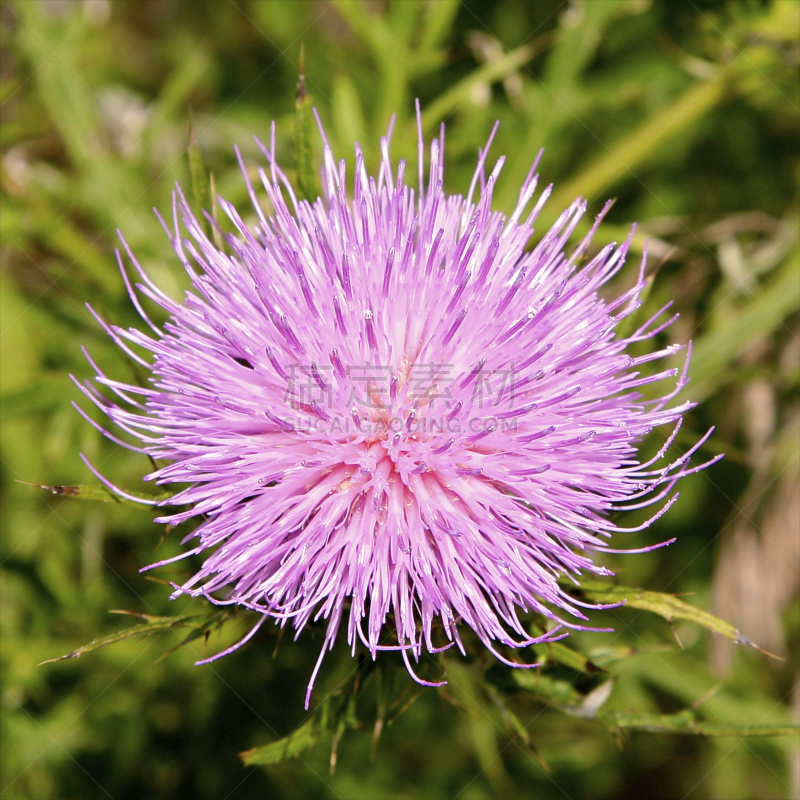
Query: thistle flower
386	407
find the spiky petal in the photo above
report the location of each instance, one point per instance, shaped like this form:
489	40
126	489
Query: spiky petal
384	404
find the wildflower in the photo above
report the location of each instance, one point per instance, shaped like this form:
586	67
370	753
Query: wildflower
386	406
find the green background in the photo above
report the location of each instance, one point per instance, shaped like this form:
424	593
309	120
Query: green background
685	112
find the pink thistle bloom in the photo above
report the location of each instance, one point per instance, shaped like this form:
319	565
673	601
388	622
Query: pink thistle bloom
384	404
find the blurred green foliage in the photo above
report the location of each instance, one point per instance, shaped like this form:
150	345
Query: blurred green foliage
687	113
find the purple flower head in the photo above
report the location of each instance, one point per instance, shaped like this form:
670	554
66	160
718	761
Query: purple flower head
387	407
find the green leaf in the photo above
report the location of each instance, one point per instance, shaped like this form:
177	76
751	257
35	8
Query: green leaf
553	98
334	715
201	183
563	696
189	74
561	654
648	140
465	685
348	115
548	689
59	235
764	312
371	28
665	605
216	229
448	102
303	155
682	677
579	35
606	655
290	746
437	23
514	725
53	49
153	625
686	722
101	493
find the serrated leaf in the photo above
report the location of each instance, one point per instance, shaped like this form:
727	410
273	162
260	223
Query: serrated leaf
153	625
686	722
195	633
289	746
333	716
101	493
562	695
665	605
